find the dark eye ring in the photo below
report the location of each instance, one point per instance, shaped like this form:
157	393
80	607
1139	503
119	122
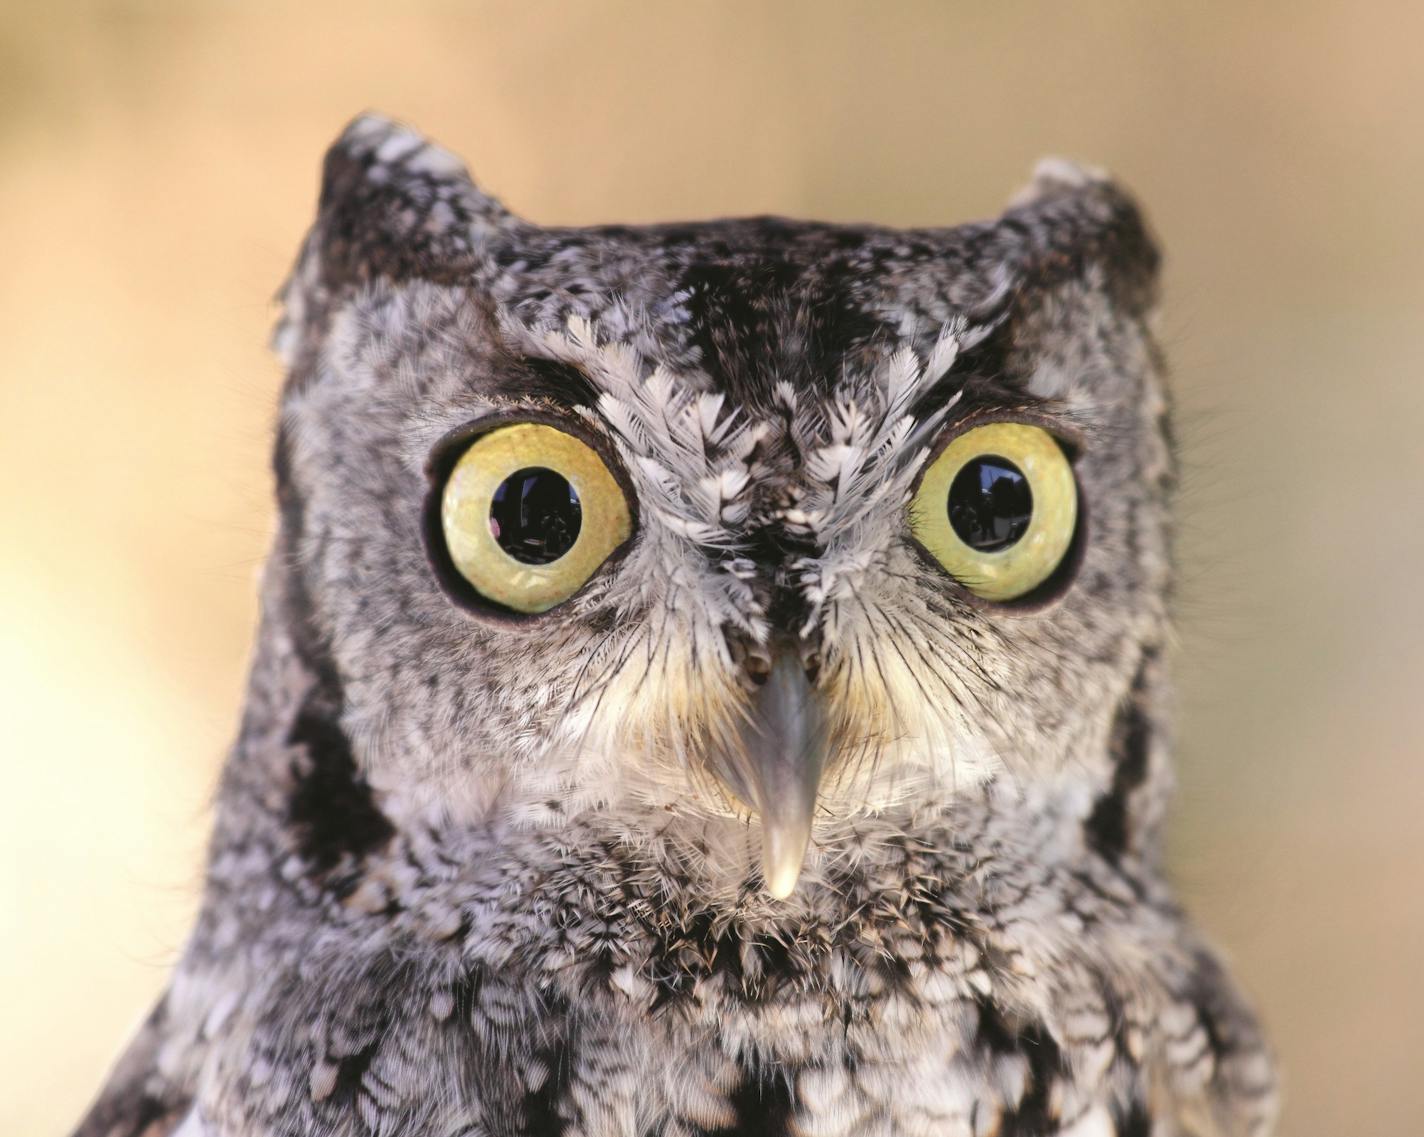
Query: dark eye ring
998	509
528	513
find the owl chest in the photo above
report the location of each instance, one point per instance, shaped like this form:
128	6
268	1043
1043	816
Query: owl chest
465	994
743	1038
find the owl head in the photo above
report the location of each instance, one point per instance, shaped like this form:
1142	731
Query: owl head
757	525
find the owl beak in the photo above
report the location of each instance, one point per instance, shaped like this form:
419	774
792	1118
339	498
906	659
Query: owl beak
785	743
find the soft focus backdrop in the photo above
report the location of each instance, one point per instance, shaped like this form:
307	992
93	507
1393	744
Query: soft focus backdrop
158	165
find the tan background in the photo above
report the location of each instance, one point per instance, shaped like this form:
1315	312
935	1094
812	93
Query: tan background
157	168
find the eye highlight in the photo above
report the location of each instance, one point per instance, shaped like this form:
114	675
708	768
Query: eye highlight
529	513
998	509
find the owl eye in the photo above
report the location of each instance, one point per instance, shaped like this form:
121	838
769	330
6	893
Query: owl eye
529	513
998	509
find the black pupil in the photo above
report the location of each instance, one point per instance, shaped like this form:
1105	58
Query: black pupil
535	515
990	503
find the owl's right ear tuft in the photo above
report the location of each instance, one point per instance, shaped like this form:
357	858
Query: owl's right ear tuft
393	206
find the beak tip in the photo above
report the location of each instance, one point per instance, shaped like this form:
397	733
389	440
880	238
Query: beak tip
781	881
783	857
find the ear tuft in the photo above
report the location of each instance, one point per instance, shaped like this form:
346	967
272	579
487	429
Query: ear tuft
1072	221
393	206
387	143
1055	175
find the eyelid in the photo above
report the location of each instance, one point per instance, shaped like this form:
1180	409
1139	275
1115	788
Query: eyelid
1072	439
451	446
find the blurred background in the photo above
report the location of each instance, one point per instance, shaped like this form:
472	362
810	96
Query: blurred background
158	166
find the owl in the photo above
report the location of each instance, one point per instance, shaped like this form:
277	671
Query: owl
711	680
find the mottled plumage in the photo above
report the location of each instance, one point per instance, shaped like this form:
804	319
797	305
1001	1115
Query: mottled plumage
478	874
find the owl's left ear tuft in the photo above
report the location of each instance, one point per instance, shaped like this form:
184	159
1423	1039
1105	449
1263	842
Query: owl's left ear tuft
1057	175
1072	220
393	206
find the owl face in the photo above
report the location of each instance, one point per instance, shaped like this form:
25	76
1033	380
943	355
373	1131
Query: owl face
737	520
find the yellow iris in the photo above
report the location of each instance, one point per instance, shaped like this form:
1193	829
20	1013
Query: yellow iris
553	553
999	541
